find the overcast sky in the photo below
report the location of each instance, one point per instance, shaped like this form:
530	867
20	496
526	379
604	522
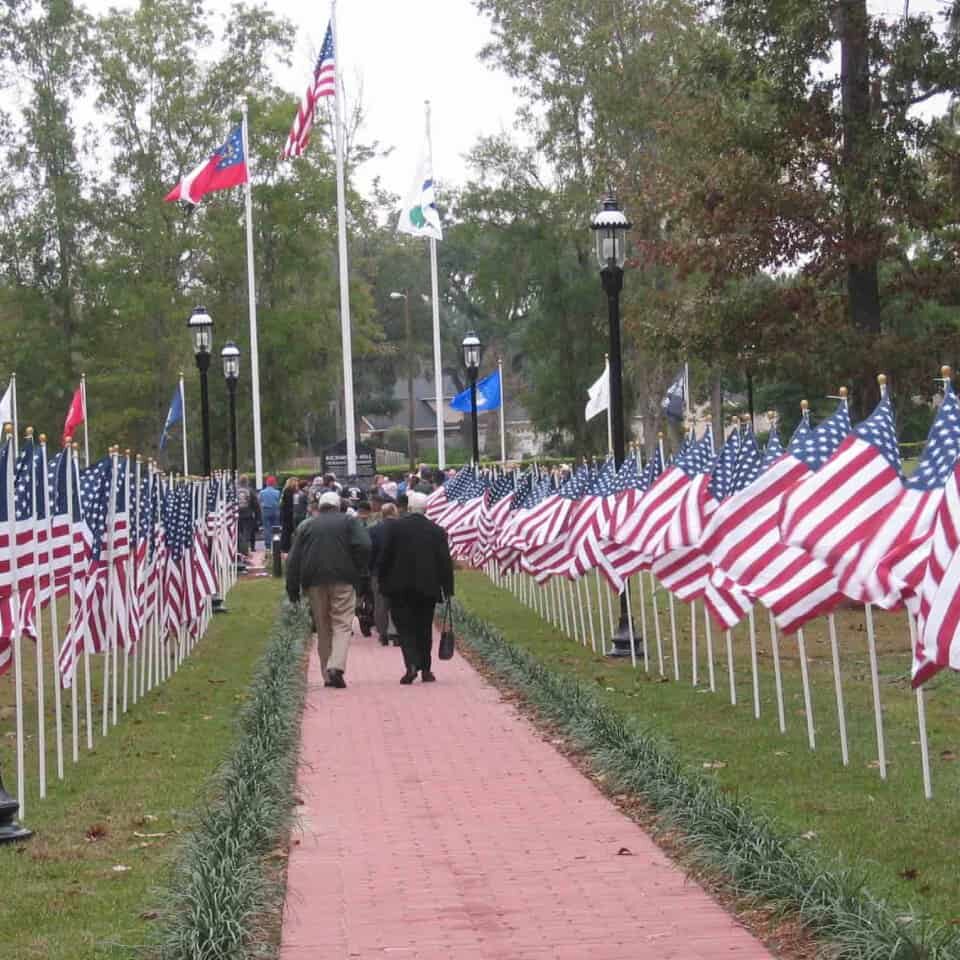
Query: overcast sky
408	51
405	52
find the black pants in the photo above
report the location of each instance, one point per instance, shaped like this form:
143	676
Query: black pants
413	617
247	533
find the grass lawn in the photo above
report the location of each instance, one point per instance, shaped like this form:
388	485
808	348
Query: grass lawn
83	886
906	844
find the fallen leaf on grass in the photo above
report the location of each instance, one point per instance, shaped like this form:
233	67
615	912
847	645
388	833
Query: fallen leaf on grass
910	873
779	753
875	764
206	716
120	868
149	836
215	681
149	915
809	835
948	755
97	832
714	765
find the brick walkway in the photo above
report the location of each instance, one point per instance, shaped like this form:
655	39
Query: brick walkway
438	825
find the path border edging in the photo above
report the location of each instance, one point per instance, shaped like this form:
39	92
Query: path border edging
737	845
221	889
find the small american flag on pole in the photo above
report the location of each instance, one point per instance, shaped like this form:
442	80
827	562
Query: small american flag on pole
322	84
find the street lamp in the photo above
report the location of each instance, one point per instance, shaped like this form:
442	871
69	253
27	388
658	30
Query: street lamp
411	416
230	354
610	227
201	326
9	828
472	354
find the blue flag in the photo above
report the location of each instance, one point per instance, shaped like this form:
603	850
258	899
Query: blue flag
488	395
174	415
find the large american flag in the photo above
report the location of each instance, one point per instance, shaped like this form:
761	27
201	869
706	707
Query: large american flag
894	551
832	515
743	540
322	84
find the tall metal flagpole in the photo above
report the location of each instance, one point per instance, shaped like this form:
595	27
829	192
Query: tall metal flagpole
434	295
252	306
183	426
13	412
606	373
86	428
503	402
348	413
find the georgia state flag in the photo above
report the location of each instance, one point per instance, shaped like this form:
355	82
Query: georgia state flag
226	168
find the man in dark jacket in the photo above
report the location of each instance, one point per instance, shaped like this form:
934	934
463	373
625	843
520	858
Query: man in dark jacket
415	571
331	552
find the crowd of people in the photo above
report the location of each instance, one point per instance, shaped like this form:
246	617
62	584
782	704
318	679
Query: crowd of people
353	551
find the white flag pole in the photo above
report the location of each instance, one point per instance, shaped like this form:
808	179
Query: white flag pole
252	307
86	428
40	679
435	300
183	424
339	136
54	620
15	614
503	401
13	412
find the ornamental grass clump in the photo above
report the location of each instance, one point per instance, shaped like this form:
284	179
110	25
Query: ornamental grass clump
737	846
223	899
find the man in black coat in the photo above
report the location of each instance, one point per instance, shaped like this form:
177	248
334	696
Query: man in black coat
415	571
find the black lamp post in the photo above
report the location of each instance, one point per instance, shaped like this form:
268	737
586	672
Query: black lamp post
201	326
9	828
610	227
230	354
472	354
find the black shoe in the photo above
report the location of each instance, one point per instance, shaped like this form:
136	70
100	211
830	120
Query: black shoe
408	677
335	679
427	677
394	638
384	641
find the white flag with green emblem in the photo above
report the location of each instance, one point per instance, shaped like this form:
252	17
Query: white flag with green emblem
419	216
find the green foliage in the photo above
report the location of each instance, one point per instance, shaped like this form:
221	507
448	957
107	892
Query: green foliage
221	891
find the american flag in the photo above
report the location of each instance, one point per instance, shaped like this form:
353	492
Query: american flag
509	542
938	620
833	513
461	522
322	84
643	527
894	553
541	532
495	510
743	541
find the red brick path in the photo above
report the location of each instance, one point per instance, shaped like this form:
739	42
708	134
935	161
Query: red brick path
438	825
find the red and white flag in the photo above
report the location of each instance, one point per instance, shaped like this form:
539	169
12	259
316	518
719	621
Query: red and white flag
226	168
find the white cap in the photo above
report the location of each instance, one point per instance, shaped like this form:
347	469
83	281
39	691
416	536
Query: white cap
329	499
416	502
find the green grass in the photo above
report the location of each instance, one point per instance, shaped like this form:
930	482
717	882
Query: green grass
127	803
849	816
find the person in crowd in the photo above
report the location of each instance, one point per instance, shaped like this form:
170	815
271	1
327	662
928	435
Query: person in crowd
270	510
381	605
287	522
415	572
330	482
390	489
301	499
330	555
248	516
363	512
402	504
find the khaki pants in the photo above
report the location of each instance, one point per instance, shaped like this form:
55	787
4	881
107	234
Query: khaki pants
332	605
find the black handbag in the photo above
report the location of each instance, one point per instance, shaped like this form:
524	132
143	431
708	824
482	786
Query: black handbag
446	647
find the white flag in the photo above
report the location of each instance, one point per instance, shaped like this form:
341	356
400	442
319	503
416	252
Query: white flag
6	406
599	395
419	216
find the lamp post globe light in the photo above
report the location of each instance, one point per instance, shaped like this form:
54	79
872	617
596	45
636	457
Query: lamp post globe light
201	326
472	355
230	354
610	227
